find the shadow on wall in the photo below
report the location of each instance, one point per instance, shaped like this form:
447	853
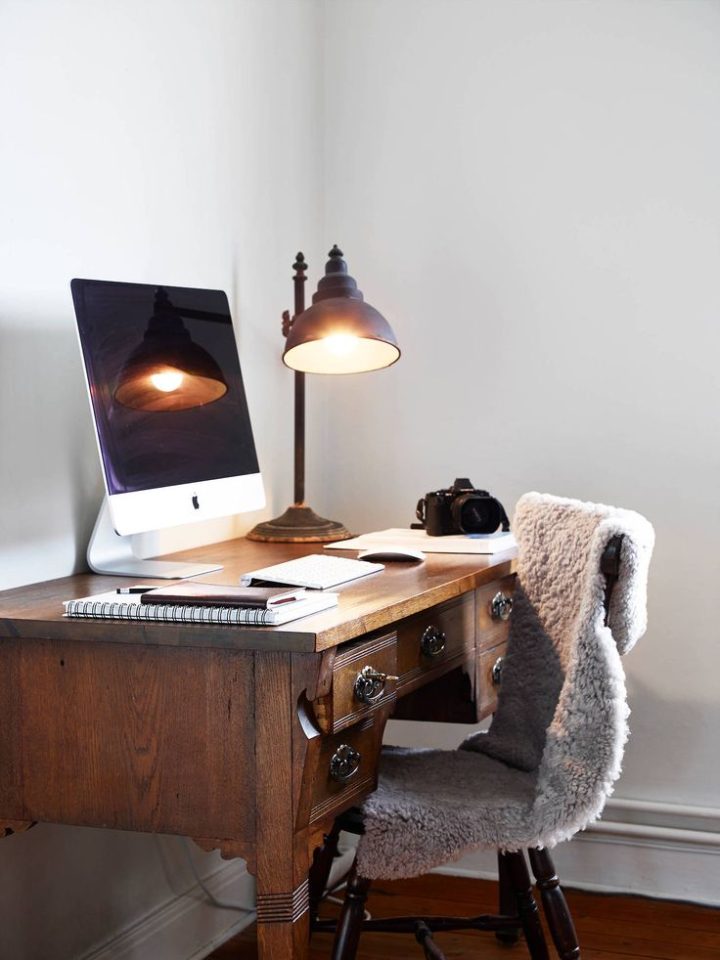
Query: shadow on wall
100	879
49	474
36	869
652	715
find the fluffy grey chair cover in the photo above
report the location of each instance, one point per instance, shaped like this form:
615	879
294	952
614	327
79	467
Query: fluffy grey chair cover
554	749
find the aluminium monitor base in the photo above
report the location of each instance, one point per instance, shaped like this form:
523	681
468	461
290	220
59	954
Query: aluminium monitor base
110	553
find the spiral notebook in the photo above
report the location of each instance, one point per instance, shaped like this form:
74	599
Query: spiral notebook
111	606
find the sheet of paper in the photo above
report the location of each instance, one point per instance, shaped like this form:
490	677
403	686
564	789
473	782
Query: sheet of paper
419	540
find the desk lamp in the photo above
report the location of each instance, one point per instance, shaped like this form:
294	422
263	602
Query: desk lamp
338	333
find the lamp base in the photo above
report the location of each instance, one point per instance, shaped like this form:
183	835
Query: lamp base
299	524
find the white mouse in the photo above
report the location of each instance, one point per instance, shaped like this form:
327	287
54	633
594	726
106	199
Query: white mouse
392	555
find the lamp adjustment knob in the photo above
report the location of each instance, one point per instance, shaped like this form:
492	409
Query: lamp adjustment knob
496	672
344	763
432	641
370	684
501	606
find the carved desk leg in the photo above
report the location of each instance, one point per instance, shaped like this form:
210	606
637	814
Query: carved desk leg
282	858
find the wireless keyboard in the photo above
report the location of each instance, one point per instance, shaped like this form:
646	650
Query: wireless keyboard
318	572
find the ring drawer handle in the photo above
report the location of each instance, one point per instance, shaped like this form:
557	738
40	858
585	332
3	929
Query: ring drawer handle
496	672
432	641
501	606
370	684
344	763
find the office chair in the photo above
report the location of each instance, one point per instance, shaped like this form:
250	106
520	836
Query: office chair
553	751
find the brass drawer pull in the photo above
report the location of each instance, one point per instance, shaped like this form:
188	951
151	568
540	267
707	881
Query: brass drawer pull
432	641
501	606
370	684
496	672
344	763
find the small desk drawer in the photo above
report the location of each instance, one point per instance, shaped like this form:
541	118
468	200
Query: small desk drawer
358	688
493	612
489	678
494	609
347	768
434	641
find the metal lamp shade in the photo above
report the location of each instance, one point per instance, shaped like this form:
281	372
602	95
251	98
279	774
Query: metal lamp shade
340	335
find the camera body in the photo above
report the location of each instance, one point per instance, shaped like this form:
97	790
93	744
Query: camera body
460	509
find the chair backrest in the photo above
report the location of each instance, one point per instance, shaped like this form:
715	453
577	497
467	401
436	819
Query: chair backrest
562	709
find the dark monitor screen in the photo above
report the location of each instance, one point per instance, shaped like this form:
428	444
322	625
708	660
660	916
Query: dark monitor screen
142	446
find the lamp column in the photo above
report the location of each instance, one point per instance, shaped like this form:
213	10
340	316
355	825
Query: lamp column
299	286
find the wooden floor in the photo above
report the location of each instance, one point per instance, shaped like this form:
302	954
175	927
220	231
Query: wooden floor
609	927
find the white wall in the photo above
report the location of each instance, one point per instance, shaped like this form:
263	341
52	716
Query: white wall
529	191
172	141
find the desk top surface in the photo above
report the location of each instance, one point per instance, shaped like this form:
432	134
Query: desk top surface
366	605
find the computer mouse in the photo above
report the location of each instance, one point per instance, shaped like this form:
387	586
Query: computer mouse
392	555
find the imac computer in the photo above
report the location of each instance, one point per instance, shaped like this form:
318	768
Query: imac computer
170	414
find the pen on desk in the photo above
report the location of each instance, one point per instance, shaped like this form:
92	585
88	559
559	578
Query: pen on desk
137	588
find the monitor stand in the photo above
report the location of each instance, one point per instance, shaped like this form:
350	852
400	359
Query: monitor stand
109	552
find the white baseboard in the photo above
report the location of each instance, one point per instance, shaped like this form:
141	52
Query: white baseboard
658	851
187	927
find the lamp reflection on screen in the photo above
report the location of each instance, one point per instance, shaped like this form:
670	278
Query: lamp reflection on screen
168	371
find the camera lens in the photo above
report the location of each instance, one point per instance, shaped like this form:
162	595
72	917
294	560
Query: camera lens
473	514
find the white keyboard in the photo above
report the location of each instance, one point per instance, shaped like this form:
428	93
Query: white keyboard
318	572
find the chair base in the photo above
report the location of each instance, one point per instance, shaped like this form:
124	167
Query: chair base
522	915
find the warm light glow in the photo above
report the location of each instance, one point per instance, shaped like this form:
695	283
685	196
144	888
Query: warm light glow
357	355
340	344
167	380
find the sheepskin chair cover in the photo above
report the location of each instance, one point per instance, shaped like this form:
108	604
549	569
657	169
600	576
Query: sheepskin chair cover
553	751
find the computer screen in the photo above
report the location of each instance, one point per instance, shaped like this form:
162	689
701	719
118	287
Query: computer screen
168	402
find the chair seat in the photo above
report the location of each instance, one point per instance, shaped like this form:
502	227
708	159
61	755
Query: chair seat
420	816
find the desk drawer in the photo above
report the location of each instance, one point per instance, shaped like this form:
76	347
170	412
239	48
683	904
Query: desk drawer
347	768
489	678
493	621
493	613
357	688
434	641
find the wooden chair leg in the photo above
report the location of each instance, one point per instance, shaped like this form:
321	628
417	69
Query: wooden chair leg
557	912
349	926
423	935
508	906
320	869
527	908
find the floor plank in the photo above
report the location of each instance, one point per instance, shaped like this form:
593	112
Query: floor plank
609	927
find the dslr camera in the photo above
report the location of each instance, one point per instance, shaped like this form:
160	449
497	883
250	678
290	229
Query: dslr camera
460	509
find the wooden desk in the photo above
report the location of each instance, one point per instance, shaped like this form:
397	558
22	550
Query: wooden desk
231	735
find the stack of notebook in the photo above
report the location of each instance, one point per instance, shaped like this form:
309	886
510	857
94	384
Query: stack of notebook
205	603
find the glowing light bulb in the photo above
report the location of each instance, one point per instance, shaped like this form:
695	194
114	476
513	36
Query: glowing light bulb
340	344
167	380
